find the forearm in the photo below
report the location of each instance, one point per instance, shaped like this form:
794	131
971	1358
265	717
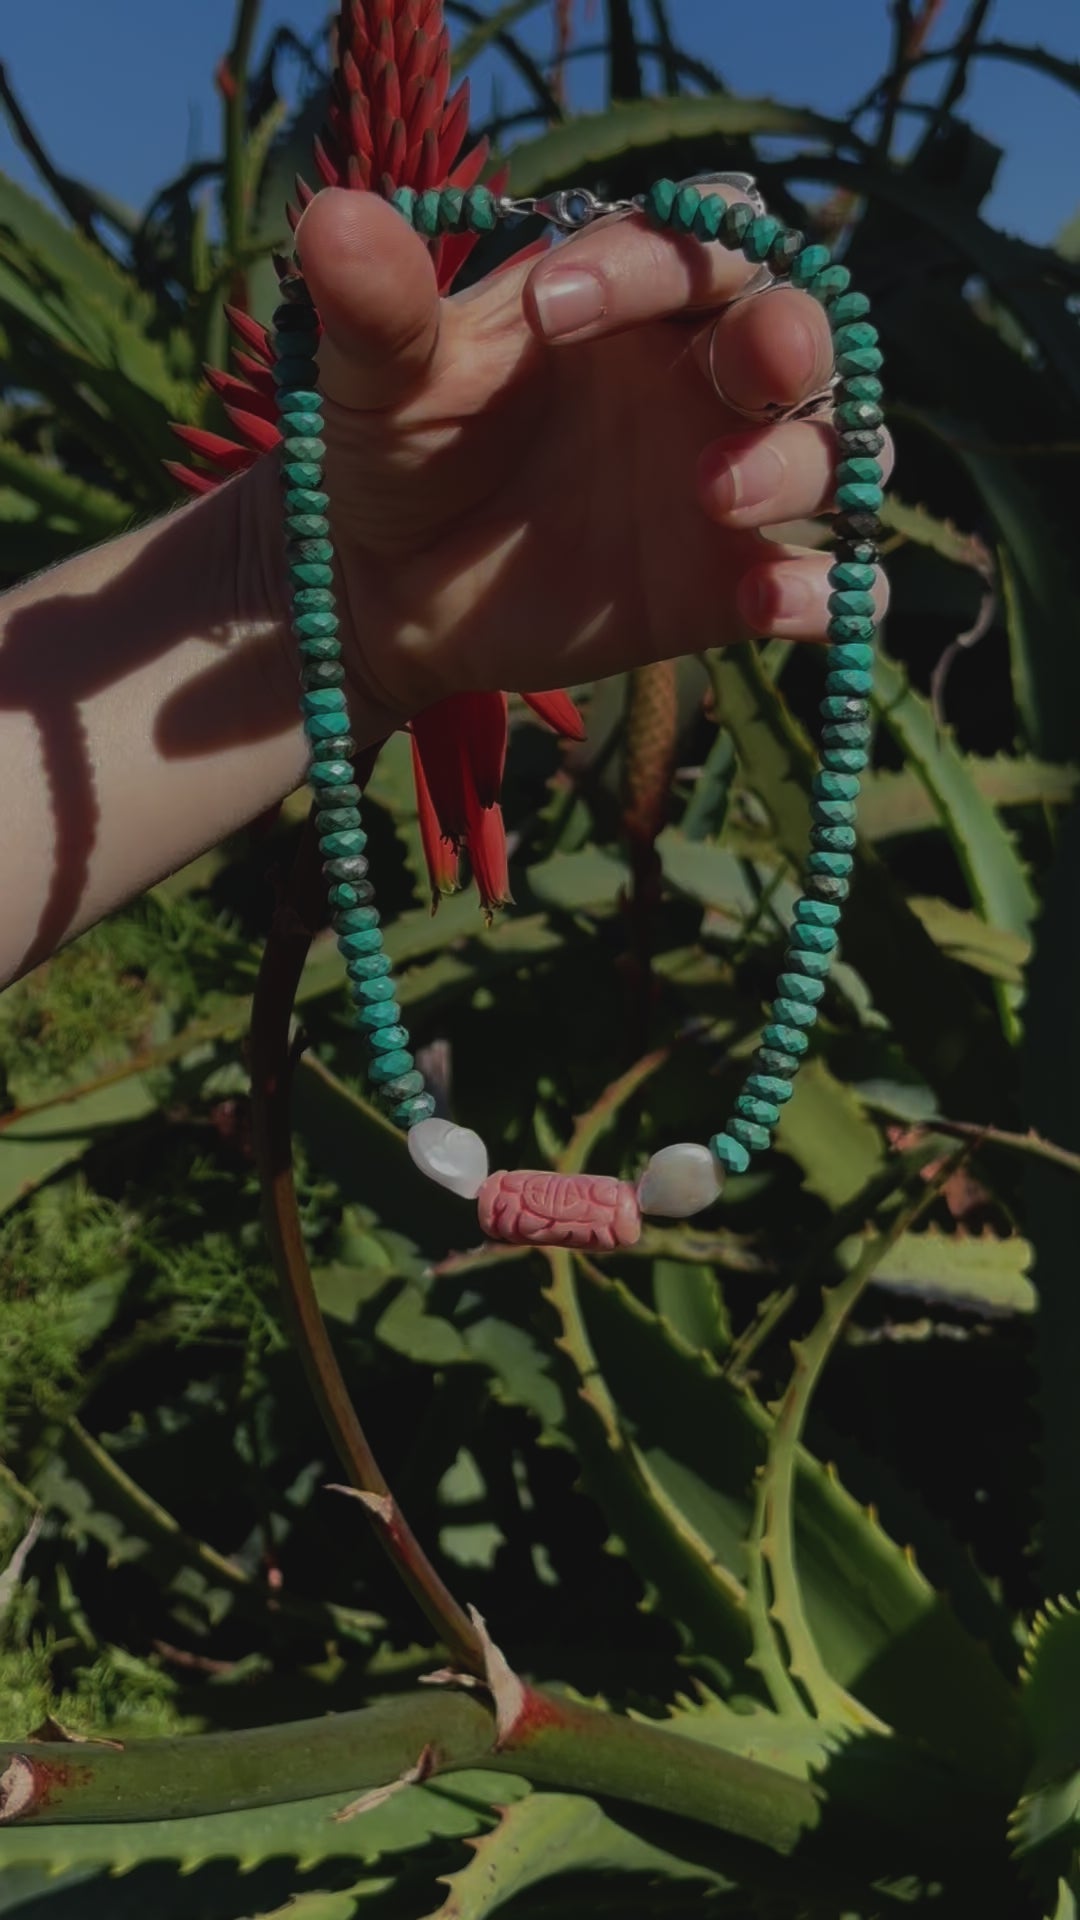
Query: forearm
148	707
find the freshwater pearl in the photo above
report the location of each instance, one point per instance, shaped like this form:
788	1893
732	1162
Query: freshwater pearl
679	1181
453	1157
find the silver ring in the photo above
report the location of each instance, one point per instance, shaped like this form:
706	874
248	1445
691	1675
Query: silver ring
773	411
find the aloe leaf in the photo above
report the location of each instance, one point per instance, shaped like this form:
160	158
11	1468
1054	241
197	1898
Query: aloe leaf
827	1133
898	803
976	1272
1045	1826
994	950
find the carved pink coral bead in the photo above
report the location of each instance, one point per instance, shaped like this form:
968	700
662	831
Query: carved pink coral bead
584	1210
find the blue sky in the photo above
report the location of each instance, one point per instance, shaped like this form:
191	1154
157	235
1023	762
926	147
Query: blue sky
121	91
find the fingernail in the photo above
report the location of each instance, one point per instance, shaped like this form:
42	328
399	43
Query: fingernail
568	300
747	478
775	596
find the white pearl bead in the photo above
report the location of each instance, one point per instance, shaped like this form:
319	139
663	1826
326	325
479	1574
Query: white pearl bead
453	1157
679	1181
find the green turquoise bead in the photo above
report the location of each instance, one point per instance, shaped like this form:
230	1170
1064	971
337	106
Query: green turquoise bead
811	262
853	653
369	966
388	1039
844	759
384	1013
307	424
785	249
404	199
859	334
805	938
709	217
336	846
451	209
749	1135
730	1153
306	526
389	1065
302	473
859	416
775	1062
309	552
302	446
862	467
314	600
827	839
340	820
323	700
338	746
769	1086
859	497
353	918
684	211
330	774
763	1113
859	360
480	209
862	386
784	1038
815	966
848	680
295	372
305	574
851	600
298	400
410	1112
305	500
835	786
852	576
402	1087
323	726
426	216
796	986
830	284
851	626
794	1013
760	235
355	945
736	224
322	624
815	914
660	201
834	865
321	673
847	307
832	813
321	646
844	708
371	992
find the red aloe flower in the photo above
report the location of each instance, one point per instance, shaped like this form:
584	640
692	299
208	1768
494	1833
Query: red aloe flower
392	122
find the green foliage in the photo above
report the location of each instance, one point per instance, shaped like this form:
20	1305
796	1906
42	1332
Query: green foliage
760	1489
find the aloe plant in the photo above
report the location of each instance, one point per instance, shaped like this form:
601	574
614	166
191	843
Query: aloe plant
746	1560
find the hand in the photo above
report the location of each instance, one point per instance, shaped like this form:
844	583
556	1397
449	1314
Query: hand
533	482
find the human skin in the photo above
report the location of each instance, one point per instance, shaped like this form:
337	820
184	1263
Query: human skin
521	497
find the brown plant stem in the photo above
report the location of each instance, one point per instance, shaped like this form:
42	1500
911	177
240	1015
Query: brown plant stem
649	762
299	910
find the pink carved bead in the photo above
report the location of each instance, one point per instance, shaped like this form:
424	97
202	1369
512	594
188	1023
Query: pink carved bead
559	1210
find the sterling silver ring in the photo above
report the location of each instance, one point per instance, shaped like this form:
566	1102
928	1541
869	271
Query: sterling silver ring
773	410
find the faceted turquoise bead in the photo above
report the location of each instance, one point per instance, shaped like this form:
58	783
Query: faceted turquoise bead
859	416
410	1112
339	746
850	653
849	680
684	211
306	526
794	1013
389	1065
309	574
321	673
296	372
859	334
308	424
384	1013
708	217
844	708
785	1039
323	700
451	209
768	1086
298	400
402	1087
340	820
811	261
859	497
370	992
852	576
323	726
309	552
815	966
839	839
370	966
302	473
426	216
329	774
761	1113
321	646
859	360
317	625
809	939
355	945
832	813
851	626
851	600
404	199
338	846
828	887
835	786
480	210
862	386
730	1153
353	919
847	307
835	865
815	914
302	446
749	1135
314	600
760	235
830	283
736	223
774	1062
388	1039
660	200
861	468
844	759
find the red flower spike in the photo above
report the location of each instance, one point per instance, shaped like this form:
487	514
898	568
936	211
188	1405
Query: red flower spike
390	120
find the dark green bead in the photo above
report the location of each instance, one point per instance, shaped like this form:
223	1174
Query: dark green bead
294	316
863	552
305	499
321	673
830	889
404	199
339	746
862	386
306	526
480	210
314	600
760	1113
859	360
709	217
847	307
810	262
785	250
372	966
330	773
359	946
785	1039
854	415
760	235
295	372
849	681
838	839
844	655
859	446
849	576
346	795
857	527
451	209
660	201
320	646
304	574
860	494
835	865
294	347
372	992
736	224
411	1112
834	786
845	709
829	284
844	627
306	553
350	869
302	473
730	1153
351	914
298	400
340	820
389	1065
683	213
402	1087
388	1039
794	1013
748	1134
333	846
426	217
776	1067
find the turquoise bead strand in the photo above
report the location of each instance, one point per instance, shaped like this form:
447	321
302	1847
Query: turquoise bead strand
684	209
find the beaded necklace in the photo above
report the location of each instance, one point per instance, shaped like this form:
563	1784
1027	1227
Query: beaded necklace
586	1210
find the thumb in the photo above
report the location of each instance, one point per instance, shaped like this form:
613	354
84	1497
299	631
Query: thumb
373	283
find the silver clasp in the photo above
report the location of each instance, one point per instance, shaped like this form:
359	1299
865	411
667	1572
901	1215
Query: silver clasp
571	209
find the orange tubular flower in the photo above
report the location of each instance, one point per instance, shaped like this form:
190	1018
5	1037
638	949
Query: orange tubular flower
392	124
